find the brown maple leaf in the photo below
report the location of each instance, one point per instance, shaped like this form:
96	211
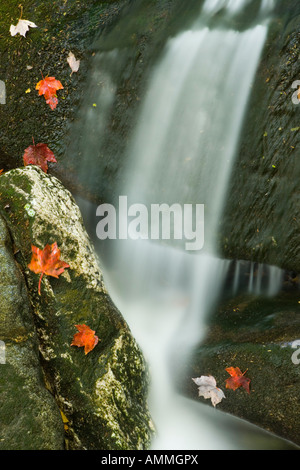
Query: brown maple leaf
46	261
237	379
85	337
39	155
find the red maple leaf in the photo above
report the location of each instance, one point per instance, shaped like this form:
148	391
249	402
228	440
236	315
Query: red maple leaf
47	261
39	155
48	87
86	337
237	379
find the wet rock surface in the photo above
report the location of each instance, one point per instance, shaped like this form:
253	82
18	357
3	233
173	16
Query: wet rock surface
259	336
29	416
261	220
102	395
89	30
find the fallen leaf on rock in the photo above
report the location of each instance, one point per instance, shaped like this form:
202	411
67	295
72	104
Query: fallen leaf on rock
48	87
207	388
21	27
237	379
39	155
46	261
73	63
52	101
86	337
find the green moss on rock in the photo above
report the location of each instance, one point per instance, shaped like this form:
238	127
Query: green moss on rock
111	416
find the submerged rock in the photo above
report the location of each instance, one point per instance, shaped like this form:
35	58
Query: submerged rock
102	395
259	336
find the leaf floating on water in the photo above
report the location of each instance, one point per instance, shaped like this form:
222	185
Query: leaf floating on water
207	388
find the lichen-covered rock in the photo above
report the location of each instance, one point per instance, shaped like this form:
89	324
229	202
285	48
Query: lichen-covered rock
29	416
261	220
103	395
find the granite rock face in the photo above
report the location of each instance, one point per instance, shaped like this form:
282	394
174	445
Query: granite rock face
102	395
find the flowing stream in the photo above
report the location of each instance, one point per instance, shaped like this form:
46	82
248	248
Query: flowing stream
182	152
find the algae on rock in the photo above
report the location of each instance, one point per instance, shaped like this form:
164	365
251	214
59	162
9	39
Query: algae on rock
29	416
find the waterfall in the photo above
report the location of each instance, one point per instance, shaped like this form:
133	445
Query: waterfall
256	279
182	152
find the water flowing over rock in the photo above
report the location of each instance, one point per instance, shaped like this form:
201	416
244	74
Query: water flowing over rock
223	116
102	395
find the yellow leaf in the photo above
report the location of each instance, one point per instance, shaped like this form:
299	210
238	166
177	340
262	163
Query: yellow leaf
64	418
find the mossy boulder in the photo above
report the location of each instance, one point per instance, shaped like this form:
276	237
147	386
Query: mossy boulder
29	416
102	395
257	335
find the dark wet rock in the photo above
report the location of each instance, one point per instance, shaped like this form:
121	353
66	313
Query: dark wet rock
88	29
257	335
102	395
29	416
61	27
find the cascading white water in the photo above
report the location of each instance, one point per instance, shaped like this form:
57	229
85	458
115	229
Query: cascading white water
182	152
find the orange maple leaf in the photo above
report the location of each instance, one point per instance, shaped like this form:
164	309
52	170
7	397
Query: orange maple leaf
46	261
237	379
85	337
48	87
39	155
